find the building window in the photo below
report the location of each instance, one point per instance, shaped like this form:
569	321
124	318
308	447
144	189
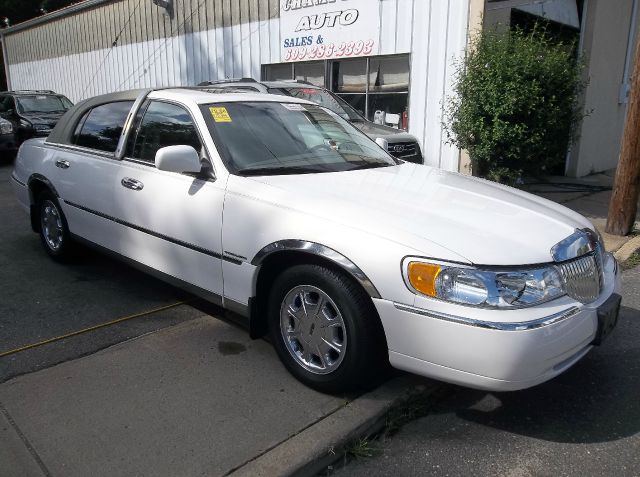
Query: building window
279	72
371	85
312	72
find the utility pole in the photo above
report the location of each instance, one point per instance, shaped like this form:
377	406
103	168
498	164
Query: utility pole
626	188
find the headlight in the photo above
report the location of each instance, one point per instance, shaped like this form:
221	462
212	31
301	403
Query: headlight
485	288
5	127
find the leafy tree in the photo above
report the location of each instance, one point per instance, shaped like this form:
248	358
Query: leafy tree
18	11
515	107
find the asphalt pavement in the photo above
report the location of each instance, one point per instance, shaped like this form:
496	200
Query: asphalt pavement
43	300
585	422
107	371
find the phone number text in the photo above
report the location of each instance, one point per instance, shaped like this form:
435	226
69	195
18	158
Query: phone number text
330	50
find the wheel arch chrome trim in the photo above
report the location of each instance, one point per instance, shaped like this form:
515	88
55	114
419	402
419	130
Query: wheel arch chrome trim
318	250
494	325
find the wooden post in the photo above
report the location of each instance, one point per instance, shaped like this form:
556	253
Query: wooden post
624	200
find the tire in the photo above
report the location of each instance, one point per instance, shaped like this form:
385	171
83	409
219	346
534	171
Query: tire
53	228
338	350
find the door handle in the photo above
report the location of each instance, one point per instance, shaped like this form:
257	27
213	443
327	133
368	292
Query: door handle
62	164
132	184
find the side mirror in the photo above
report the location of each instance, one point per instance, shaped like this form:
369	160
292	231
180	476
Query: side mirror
178	159
383	143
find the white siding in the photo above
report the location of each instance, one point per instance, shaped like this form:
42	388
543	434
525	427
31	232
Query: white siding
434	32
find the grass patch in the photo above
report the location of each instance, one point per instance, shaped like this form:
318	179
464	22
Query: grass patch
632	262
363	448
415	407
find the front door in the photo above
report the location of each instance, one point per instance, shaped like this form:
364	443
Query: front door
170	222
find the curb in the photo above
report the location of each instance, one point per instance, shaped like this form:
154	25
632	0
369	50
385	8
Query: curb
628	249
313	449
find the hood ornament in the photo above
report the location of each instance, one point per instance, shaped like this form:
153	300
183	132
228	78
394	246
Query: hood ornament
579	243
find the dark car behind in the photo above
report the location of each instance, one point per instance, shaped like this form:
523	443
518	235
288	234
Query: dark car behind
27	114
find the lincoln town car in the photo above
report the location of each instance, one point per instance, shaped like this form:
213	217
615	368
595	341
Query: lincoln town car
282	211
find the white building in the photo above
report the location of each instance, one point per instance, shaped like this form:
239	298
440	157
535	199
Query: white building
391	55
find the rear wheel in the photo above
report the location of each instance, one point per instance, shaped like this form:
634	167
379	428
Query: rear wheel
54	232
325	329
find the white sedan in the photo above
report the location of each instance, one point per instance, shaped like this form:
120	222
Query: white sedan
280	210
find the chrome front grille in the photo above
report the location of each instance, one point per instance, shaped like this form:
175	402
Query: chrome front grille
582	277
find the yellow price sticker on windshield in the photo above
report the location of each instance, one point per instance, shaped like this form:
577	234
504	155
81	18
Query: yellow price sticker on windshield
220	115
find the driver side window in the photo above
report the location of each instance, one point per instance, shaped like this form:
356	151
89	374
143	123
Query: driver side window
163	124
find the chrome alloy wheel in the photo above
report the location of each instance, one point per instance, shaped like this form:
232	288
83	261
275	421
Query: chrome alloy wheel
313	330
51	223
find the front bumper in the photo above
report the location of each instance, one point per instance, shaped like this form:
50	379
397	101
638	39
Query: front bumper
504	355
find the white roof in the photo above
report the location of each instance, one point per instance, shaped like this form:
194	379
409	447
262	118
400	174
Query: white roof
202	97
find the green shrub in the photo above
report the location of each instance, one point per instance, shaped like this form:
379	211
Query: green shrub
515	107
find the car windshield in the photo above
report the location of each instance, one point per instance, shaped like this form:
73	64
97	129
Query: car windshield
323	98
42	104
269	138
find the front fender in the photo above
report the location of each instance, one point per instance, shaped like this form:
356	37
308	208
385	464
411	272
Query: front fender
260	219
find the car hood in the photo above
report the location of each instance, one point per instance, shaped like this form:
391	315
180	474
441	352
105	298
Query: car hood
49	119
477	220
374	131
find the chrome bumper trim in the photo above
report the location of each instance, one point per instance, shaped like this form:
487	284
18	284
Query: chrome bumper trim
493	325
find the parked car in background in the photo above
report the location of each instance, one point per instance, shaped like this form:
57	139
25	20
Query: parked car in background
397	142
281	210
29	113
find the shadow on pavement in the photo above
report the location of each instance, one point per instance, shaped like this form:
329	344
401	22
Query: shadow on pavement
598	400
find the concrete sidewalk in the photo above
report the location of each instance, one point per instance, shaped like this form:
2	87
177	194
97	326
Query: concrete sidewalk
200	398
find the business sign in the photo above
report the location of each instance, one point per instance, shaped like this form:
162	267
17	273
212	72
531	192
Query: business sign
322	29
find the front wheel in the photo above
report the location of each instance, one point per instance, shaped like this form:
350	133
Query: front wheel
325	329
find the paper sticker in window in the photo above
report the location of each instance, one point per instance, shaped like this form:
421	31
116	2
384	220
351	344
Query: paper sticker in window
220	115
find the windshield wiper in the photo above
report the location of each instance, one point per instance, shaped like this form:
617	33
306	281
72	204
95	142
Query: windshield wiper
370	165
279	170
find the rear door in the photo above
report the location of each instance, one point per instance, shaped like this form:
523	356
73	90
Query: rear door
171	222
85	171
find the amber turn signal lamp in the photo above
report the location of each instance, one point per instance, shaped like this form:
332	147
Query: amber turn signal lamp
422	277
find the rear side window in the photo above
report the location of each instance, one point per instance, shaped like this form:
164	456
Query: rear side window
102	126
163	124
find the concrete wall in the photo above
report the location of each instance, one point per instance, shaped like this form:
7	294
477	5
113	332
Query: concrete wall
213	39
605	45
